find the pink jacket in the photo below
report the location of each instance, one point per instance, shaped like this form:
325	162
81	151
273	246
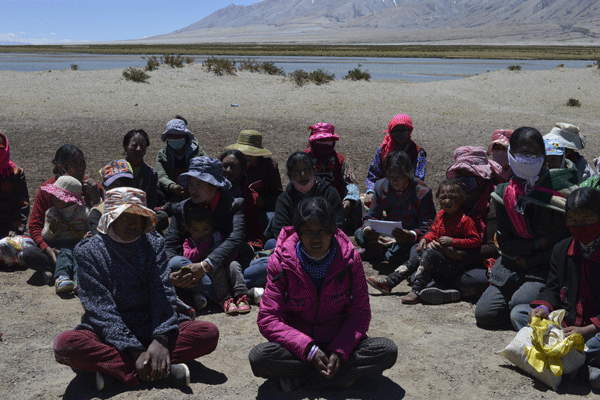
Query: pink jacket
338	315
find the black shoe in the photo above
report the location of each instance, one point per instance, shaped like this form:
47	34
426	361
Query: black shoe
434	295
179	375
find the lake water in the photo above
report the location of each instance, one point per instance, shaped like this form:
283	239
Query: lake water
410	69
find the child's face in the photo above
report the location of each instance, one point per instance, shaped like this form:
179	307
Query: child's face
59	204
200	230
397	178
450	199
553	161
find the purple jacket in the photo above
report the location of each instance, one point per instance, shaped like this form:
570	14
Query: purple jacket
339	315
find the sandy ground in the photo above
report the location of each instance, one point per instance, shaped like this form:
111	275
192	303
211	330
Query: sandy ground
442	352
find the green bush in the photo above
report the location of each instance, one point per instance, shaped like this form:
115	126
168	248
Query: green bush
560	66
189	60
172	60
269	67
358	74
514	67
573	103
220	66
152	63
249	65
321	77
300	77
74	67
135	74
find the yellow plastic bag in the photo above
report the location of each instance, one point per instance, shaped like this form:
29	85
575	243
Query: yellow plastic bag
549	344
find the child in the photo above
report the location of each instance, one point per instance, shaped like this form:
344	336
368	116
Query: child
65	225
452	229
202	240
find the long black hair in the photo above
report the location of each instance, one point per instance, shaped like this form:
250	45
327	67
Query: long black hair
64	156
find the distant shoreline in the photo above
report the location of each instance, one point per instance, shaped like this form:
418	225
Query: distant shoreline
399	51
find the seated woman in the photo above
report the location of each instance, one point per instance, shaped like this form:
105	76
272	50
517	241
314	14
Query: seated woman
303	184
398	137
530	221
207	187
262	174
68	160
397	197
174	159
14	197
135	144
572	140
335	169
572	280
130	329
315	312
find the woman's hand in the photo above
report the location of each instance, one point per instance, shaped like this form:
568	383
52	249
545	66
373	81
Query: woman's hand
370	234
537	312
51	254
445	241
422	245
403	235
91	188
189	277
177	189
368	199
347	207
327	366
154	363
586	331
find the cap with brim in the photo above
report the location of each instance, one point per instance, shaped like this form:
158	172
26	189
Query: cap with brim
114	170
125	200
65	188
568	135
554	147
474	161
176	127
250	143
206	169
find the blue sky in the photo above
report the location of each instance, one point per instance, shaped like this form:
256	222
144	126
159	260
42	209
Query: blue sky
47	22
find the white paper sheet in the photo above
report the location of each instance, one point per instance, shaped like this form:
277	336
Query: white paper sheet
384	227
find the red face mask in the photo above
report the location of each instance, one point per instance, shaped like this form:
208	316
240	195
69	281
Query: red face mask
587	233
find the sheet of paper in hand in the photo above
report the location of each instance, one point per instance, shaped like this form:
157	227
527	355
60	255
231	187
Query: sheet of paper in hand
384	227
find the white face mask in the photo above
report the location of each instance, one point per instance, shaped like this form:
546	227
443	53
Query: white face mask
526	167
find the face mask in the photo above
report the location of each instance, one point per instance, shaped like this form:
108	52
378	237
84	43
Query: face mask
500	156
585	234
469	183
525	167
322	149
304	188
400	136
176	144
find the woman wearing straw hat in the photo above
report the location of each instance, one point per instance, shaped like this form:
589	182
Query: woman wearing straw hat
263	173
130	330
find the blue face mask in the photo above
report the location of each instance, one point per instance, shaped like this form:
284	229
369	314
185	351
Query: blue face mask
176	144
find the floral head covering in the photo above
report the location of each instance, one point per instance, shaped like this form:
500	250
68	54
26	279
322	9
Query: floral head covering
322	131
129	200
474	160
67	189
501	137
6	166
568	135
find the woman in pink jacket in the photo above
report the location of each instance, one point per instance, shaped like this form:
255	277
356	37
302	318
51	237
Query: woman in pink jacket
315	311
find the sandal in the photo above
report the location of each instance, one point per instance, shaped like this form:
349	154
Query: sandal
243	305
229	307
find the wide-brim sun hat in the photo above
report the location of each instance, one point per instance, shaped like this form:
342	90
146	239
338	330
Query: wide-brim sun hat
176	127
206	169
473	160
554	147
250	143
501	137
322	131
568	135
126	200
114	170
66	188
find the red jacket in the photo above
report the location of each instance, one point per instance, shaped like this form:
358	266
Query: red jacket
292	312
459	227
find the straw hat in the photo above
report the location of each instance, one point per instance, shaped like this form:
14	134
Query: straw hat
129	200
250	143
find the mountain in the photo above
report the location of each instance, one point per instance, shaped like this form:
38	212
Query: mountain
559	21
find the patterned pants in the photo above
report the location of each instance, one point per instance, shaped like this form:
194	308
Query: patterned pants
371	356
83	350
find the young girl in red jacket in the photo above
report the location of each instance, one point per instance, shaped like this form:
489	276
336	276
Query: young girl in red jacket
452	229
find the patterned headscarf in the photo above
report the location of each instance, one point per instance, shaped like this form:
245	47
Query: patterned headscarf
388	144
125	199
7	167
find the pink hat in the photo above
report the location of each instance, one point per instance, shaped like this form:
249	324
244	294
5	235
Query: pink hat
473	160
501	137
322	131
400	119
65	188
